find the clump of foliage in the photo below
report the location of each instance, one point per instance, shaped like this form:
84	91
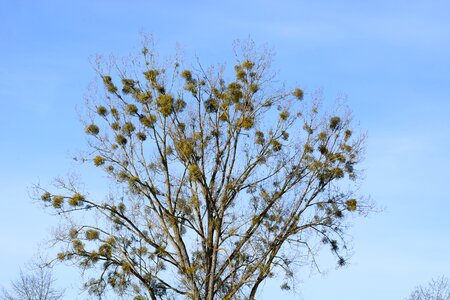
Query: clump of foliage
228	180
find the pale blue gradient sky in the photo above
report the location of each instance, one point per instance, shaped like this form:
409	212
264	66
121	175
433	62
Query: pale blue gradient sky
391	58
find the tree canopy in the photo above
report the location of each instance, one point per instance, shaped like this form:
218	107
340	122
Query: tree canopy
223	180
437	289
35	284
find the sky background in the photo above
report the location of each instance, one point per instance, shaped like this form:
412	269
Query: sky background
391	59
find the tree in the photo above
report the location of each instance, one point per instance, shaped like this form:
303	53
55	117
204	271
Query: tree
220	184
37	284
437	289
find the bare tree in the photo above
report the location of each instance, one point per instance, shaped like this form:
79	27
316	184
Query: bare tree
437	289
220	184
36	284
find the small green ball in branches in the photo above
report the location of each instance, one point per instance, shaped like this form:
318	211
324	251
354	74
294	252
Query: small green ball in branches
92	129
61	256
115	113
105	250
131	109
234	92
141	136
107	80
161	89
259	137
338	214
322	136
180	105
347	134
133	183
335	122
148	120
187	75
98	160
240	73
92	234
276	145
284	115
121	140
76	199
211	105
128	128
102	111
308	148
78	246
73	233
191	87
298	93
165	104
121	206
351	204
128	85
126	267
246	122
194	172
46	197
308	129
115	126
151	75
323	149
253	88
185	148
58	201
143	98
248	64
337	173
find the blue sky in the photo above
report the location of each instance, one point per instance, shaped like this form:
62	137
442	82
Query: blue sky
391	58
